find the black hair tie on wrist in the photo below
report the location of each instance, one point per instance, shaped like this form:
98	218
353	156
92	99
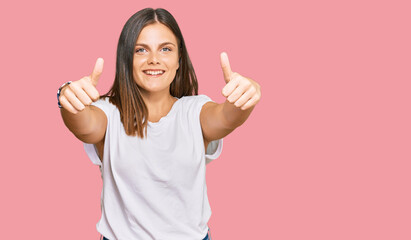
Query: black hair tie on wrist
59	91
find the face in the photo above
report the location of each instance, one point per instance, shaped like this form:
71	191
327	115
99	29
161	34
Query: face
156	59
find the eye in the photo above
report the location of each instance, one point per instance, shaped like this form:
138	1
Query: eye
166	49
140	50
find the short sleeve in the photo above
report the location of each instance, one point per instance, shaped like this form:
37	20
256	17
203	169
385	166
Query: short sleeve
105	105
215	147
90	149
214	150
91	152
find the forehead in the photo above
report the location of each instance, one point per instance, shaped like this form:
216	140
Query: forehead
156	33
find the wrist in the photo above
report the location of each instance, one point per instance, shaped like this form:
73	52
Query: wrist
59	91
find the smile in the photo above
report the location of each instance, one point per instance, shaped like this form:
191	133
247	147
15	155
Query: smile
154	73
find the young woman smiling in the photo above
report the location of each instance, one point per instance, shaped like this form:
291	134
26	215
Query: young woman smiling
152	134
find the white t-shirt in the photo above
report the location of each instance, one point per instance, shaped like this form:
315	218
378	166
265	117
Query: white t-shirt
155	188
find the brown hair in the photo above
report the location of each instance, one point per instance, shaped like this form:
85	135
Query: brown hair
125	93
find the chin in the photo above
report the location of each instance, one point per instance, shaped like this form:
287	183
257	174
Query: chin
153	89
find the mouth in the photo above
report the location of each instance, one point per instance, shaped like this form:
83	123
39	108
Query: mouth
153	72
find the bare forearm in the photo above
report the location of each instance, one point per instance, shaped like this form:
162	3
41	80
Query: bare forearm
87	122
241	93
234	116
79	124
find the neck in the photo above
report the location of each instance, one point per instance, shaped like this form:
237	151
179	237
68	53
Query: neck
158	104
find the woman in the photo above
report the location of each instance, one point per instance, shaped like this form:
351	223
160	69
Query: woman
151	134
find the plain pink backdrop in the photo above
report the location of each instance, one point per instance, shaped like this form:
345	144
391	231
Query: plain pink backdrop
325	154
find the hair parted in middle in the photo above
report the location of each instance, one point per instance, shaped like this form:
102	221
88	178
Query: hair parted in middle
125	93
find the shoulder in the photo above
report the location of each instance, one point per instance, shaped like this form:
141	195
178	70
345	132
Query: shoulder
105	104
193	105
104	101
196	99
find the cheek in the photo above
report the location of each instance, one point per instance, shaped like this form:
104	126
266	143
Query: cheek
173	64
137	66
136	63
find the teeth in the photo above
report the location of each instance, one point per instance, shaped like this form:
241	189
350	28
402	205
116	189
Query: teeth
153	72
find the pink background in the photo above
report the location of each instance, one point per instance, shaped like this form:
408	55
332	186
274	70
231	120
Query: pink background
325	154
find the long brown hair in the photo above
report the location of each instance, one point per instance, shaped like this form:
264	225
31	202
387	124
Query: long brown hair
125	93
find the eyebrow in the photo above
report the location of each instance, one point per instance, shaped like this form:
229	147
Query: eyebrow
161	44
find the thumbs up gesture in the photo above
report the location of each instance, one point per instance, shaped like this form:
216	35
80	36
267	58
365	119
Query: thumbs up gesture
243	92
81	93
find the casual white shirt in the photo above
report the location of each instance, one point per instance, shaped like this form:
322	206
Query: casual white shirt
155	188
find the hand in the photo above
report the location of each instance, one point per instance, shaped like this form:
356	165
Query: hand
242	91
81	93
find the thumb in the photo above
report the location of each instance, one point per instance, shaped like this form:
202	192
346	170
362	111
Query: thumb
225	65
98	69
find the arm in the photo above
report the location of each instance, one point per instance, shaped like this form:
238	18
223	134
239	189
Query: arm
219	120
88	123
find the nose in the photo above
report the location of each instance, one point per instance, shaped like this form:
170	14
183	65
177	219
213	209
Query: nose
152	58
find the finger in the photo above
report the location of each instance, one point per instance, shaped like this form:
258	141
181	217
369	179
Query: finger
80	94
91	91
66	105
98	69
236	94
225	65
250	103
245	97
230	87
74	101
